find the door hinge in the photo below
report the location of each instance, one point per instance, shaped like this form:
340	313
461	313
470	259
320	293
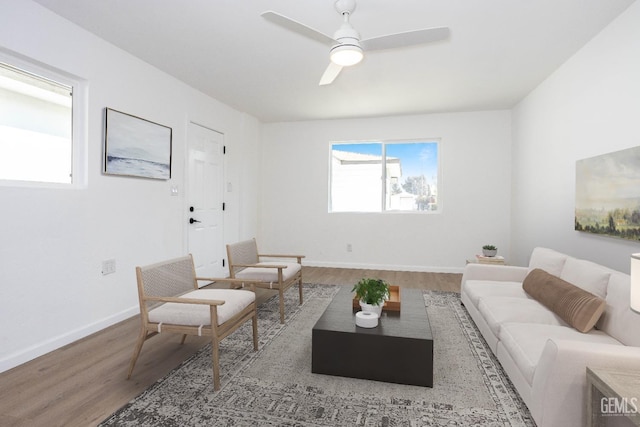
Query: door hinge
223	205
224	149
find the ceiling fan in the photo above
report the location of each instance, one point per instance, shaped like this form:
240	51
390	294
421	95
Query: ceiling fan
347	48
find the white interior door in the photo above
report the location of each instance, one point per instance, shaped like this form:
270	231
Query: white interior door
204	200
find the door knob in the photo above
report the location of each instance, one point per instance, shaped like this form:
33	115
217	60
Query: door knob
191	220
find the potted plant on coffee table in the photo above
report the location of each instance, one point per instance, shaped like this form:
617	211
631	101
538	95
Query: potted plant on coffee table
372	294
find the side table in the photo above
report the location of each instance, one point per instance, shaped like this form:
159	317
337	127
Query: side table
612	393
486	260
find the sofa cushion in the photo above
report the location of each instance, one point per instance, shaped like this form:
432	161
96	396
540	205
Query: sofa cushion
499	310
525	342
547	260
574	305
477	289
618	319
586	275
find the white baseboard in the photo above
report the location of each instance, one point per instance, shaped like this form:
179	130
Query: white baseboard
35	351
419	268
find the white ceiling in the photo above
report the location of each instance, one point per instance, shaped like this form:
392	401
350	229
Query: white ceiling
499	50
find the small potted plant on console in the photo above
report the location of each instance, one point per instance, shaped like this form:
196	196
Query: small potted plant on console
372	294
489	250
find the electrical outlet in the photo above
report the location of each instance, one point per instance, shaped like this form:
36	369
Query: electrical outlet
108	266
349	247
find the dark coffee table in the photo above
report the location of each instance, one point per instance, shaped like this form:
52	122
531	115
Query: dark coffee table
398	350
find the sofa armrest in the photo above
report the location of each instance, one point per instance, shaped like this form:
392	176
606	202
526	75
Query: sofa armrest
559	392
499	273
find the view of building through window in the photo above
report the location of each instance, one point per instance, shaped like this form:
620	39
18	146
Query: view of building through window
35	128
384	176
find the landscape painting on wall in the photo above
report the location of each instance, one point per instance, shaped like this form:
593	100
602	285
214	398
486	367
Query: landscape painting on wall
136	147
608	194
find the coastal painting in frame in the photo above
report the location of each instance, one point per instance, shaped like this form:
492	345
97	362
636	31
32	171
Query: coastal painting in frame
136	147
608	194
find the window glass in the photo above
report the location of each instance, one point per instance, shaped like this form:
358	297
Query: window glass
356	176
36	133
384	176
412	176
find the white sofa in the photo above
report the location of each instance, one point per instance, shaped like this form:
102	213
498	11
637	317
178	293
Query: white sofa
544	357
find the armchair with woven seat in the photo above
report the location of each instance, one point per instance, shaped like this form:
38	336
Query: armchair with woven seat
170	301
245	263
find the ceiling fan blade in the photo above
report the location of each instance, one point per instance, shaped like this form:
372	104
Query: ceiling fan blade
330	74
408	38
297	27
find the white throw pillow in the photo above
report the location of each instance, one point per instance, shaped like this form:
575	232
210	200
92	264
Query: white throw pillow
586	275
548	260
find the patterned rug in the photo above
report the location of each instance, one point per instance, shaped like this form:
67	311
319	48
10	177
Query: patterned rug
275	386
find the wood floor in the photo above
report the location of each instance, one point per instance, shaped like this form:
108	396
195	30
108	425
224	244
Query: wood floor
83	383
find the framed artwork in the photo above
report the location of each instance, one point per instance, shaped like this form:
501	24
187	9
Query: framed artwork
608	194
136	147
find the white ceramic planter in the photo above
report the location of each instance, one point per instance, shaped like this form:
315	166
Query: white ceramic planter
377	309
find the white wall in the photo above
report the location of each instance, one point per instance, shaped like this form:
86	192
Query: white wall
53	241
474	193
588	107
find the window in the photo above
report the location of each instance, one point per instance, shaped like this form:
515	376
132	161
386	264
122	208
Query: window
39	143
384	176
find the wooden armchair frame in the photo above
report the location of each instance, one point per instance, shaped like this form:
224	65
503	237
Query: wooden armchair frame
245	264
176	277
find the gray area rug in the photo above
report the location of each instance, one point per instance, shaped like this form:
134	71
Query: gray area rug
275	386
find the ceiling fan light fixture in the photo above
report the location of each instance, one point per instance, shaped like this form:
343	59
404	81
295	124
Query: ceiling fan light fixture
347	46
346	55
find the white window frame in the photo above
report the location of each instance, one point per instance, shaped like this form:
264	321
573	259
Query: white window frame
79	166
384	144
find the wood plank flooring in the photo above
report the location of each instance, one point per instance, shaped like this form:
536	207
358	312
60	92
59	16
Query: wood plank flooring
84	382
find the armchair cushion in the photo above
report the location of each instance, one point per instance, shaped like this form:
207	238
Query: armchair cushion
269	274
199	314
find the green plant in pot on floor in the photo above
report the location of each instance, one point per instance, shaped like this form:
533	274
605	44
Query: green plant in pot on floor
372	294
